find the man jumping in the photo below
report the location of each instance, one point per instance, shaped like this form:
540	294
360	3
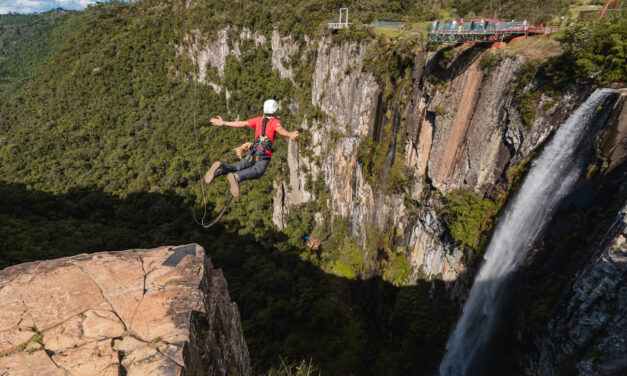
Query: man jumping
255	161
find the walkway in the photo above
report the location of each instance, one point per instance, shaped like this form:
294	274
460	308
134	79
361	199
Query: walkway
487	32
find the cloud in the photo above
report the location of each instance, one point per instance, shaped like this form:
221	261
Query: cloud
31	6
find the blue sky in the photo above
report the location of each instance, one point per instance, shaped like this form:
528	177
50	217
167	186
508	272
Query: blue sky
31	6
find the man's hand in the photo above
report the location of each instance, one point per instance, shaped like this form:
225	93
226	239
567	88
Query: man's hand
219	122
283	132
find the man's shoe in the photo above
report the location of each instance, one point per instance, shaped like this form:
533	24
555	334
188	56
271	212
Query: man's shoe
214	171
234	182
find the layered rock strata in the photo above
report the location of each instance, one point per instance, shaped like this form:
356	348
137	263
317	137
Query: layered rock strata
461	125
162	311
462	130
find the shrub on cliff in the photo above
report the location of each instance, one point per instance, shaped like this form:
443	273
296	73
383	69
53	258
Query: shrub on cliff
594	52
391	60
469	218
526	98
397	267
597	52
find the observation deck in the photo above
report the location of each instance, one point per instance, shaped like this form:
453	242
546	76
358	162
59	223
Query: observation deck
489	31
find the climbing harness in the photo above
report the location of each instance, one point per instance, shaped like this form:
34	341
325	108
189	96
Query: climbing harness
259	149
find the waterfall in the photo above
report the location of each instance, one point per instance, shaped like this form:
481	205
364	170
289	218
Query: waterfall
550	178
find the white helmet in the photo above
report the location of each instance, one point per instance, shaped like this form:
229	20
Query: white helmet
270	107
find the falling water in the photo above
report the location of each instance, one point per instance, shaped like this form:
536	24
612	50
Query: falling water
551	176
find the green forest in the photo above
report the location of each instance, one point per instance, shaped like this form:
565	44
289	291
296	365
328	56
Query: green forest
29	40
104	137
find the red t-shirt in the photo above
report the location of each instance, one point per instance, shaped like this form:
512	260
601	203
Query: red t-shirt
271	126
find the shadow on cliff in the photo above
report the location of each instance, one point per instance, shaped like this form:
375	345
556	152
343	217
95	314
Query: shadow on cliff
452	61
291	309
532	329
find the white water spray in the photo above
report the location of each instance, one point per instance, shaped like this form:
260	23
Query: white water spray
550	178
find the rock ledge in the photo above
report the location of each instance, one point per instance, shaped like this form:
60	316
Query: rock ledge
162	311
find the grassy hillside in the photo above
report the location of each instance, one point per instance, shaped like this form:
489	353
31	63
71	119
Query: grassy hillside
536	11
28	41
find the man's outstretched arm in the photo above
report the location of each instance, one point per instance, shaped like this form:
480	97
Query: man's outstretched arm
284	133
235	124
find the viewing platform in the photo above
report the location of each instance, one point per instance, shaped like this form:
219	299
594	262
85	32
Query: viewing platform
343	21
488	31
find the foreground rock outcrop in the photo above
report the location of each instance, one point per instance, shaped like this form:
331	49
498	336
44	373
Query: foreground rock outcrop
162	311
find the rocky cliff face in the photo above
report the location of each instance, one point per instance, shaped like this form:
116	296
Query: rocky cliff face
467	131
462	130
598	305
584	321
349	95
469	145
163	311
587	333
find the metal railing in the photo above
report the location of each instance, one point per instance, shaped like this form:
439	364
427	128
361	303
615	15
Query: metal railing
487	27
338	25
385	24
483	32
343	21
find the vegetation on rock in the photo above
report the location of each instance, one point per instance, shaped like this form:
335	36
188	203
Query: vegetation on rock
595	51
469	219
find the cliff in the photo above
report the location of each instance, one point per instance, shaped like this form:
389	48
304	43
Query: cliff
594	322
461	127
405	157
162	311
581	330
573	319
471	145
458	126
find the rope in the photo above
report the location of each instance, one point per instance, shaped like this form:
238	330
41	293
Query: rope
202	185
226	206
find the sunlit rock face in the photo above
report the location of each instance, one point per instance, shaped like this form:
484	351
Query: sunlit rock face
461	125
466	130
463	133
162	311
